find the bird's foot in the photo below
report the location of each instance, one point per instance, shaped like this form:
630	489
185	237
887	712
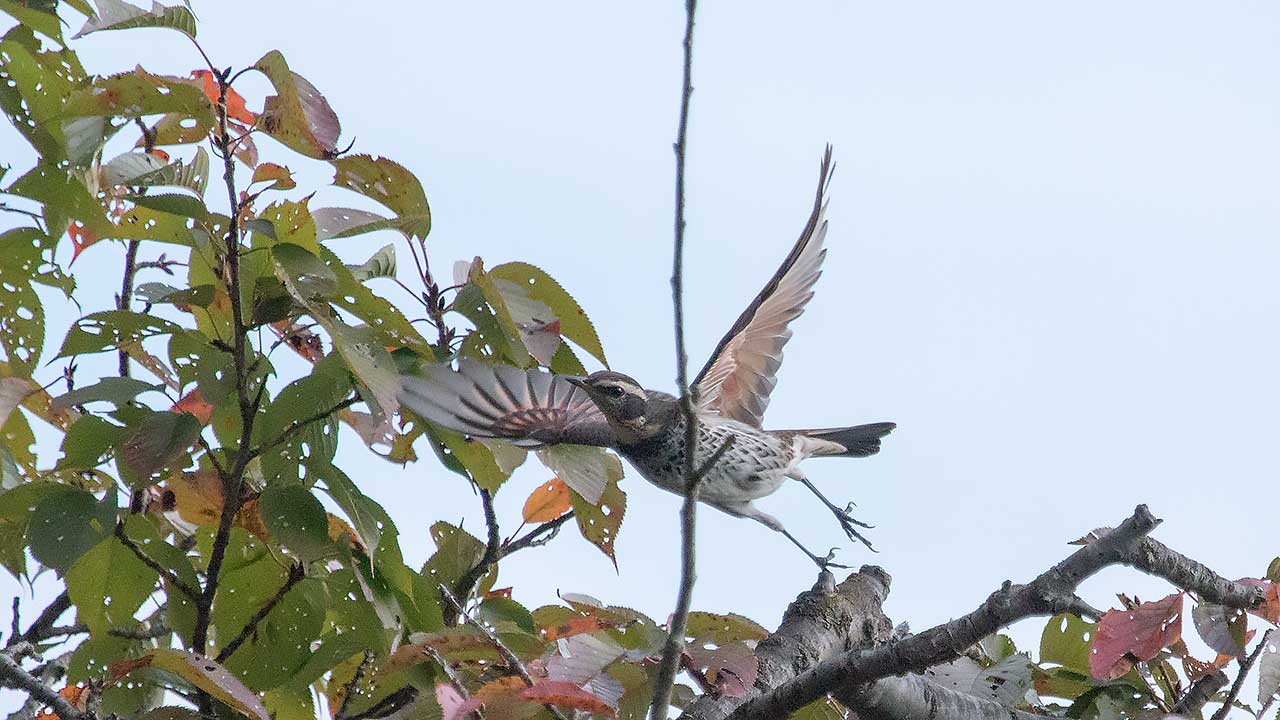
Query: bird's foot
850	526
827	561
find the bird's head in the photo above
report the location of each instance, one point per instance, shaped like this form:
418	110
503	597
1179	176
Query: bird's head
622	400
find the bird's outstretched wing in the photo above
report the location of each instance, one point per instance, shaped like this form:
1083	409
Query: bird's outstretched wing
741	373
530	408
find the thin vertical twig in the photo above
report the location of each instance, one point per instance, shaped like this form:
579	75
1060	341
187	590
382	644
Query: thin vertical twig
674	647
1246	664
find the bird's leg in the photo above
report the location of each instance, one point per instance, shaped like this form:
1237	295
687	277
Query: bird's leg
750	511
847	521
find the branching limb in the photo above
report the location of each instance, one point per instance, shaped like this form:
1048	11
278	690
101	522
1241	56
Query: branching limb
492	552
540	535
1245	666
13	676
169	575
510	658
1050	593
296	574
349	689
49	674
41	625
1199	693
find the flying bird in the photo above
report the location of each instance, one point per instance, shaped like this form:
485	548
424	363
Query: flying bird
532	408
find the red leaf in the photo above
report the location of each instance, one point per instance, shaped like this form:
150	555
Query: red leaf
236	109
731	667
195	404
1269	610
548	502
566	694
81	238
1139	633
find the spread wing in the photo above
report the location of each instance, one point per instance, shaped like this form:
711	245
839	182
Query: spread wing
741	373
530	408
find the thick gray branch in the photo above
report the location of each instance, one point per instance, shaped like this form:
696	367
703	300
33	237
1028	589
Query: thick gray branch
1050	593
914	698
819	625
13	676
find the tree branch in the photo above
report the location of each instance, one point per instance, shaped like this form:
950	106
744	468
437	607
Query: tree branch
534	538
511	659
492	552
38	629
912	697
1245	666
1199	693
13	676
296	574
1050	593
168	575
297	425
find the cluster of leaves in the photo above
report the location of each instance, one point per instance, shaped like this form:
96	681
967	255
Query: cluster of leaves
210	546
1133	659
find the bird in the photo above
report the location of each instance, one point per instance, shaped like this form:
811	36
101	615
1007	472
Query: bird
533	408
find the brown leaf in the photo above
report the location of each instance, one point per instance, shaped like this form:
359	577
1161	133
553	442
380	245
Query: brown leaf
195	404
497	593
297	115
548	502
339	529
203	673
1269	610
566	694
236	109
731	667
281	177
1138	633
576	626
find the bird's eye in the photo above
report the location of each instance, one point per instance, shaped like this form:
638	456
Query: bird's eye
614	391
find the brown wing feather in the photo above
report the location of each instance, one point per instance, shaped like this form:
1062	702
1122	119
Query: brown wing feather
530	408
742	371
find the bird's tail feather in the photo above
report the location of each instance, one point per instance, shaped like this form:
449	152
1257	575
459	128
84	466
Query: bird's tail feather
855	441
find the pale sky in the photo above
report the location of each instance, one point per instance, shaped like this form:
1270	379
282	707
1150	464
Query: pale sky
1052	258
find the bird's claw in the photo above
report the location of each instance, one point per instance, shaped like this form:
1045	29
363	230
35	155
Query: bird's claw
828	561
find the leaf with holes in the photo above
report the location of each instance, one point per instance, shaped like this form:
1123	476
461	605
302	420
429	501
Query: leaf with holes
390	184
119	15
1065	641
68	523
731	667
137	94
43	20
34	85
157	440
297	115
723	629
117	390
337	222
541	287
1138	633
110	329
548	502
600	522
1222	628
566	694
22	318
202	673
1008	682
457	551
586	470
297	520
108	585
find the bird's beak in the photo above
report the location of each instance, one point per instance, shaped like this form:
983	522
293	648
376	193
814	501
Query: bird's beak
579	382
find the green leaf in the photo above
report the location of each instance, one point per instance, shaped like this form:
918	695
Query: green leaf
108	585
89	442
586	470
172	203
385	320
390	184
304	399
210	677
161	294
1065	641
43	20
723	629
457	551
297	115
179	610
474	459
110	329
380	264
539	286
34	84
16	507
367	517
337	222
65	198
193	176
498	610
22	318
138	93
488	341
27	254
119	15
67	524
600	522
118	390
296	520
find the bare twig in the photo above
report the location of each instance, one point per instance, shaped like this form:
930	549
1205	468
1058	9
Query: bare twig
168	575
296	574
492	553
48	673
537	536
1245	666
689	511
513	662
452	676
1050	593
1199	693
349	689
48	616
297	425
13	676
